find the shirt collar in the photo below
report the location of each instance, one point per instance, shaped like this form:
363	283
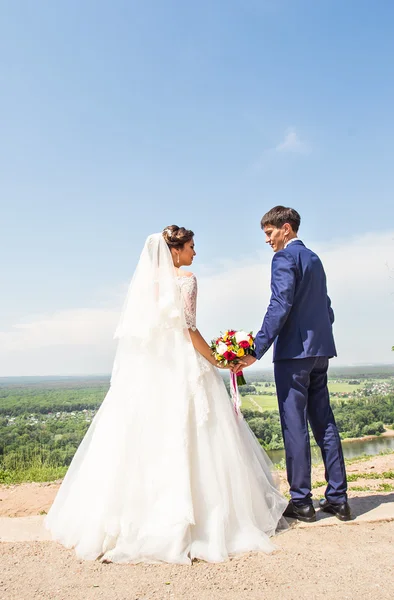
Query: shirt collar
296	239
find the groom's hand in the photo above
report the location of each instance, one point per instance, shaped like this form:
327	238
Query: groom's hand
245	361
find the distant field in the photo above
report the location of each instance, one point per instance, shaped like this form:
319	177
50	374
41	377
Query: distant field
343	387
269	402
260	402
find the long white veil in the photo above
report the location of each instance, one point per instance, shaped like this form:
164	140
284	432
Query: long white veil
153	299
152	313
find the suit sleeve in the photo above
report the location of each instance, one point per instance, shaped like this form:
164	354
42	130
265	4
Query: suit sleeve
283	281
330	311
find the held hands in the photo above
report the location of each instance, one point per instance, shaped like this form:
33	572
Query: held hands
246	361
230	366
239	365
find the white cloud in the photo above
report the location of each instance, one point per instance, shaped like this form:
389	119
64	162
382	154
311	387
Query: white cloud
65	342
236	295
74	327
292	143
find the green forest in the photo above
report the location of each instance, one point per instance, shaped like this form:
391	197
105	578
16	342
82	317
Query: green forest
42	426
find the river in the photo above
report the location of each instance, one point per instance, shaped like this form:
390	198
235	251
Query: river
351	449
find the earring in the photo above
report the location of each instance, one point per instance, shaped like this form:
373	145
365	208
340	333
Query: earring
178	259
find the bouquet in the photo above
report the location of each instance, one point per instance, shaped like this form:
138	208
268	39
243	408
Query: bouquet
231	346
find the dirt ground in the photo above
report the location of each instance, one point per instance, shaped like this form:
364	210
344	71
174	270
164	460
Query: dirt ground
342	561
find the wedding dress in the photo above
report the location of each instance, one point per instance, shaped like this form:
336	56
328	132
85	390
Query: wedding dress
167	471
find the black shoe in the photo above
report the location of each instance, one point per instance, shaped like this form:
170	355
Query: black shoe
303	512
341	511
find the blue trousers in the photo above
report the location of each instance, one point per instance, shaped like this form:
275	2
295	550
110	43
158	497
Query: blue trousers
303	397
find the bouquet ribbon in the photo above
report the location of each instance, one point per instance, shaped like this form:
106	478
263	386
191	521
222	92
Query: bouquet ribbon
236	398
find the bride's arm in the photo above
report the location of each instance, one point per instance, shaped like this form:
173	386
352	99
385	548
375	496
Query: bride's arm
202	347
189	292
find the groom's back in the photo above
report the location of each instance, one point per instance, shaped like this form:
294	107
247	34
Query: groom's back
308	329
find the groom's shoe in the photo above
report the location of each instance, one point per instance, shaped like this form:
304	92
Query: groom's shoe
341	511
302	512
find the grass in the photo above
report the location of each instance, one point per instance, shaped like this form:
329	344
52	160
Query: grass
357	476
45	473
384	475
318	484
386	487
40	472
383	487
37	472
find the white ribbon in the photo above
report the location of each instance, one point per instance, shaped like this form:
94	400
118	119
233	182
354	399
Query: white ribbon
235	396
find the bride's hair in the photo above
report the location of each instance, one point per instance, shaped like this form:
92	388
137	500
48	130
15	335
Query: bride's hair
176	237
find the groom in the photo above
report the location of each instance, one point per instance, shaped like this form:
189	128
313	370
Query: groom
299	322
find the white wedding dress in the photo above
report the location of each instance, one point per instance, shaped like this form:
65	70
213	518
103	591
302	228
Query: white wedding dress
167	471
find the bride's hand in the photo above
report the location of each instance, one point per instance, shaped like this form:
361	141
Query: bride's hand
222	366
235	367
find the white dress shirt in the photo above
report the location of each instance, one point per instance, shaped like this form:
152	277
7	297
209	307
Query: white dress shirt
292	240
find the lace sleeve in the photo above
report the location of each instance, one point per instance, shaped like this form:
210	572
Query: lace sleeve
189	295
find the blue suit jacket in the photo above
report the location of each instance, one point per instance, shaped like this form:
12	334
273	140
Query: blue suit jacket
299	317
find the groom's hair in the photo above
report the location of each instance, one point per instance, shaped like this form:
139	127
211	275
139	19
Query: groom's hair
279	215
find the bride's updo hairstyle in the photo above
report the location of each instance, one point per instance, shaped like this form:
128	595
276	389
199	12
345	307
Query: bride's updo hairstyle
176	237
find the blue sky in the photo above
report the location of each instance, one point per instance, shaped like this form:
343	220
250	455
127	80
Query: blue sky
118	118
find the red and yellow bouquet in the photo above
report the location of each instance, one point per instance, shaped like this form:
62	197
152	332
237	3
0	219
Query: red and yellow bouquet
232	346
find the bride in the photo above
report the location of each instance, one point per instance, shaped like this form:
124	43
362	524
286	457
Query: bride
167	471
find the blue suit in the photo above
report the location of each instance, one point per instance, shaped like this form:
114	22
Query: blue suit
299	322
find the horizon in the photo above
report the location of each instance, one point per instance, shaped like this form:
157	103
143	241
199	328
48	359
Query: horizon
252	370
